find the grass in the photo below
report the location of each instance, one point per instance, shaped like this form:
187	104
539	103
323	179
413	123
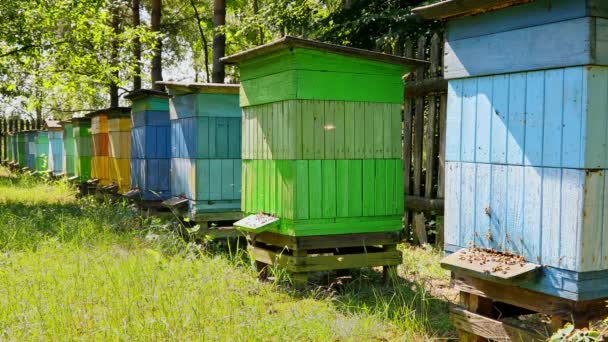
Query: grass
79	269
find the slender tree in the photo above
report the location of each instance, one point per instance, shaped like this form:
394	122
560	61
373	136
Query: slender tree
135	8
199	20
157	60
219	40
114	74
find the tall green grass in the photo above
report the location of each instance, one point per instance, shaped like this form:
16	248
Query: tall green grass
82	269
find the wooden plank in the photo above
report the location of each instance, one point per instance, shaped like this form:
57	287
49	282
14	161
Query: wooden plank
591	247
315	189
369	130
318	112
452	203
355	188
342	188
329	128
461	56
535	101
328	169
469	117
442	150
482	201
454	120
465	262
571	218
574	117
426	87
467	204
553	127
597	124
368	179
300	191
531	300
458	8
390	199
516	119
430	147
491	329
532	227
350	118
340	130
396	128
418	128
380	204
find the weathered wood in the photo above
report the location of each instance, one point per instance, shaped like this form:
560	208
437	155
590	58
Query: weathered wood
568	310
483	327
515	274
425	87
420	228
458	8
441	156
317	263
418	203
328	241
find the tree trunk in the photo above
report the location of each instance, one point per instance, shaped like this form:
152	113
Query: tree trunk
157	61
256	9
114	56
204	39
135	8
219	40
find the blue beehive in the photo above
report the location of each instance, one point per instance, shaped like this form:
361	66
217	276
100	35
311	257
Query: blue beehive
206	149
30	149
56	148
527	149
150	149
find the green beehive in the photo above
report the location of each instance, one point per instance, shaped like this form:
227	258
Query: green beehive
322	137
20	148
81	132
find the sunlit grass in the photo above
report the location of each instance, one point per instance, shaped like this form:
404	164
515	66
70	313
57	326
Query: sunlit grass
81	269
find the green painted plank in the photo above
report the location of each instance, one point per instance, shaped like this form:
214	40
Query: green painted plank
245	187
150	104
308	130
329	188
275	131
300	190
257	137
290	184
369	133
315	189
355	188
318	112
378	115
340	126
387	147
289	124
329	127
390	177
298	135
279	198
380	188
358	115
396	131
342	187
349	130
272	186
399	208
238	178
368	187
245	143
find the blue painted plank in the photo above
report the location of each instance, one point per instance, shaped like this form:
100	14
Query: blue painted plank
227	179
482	201
536	13
517	119
498	206
469	114
221	137
596	141
552	130
453	121
533	151
574	118
571	218
500	118
531	234
525	49
453	182
484	118
467	204
592	243
212	104
512	240
551	216
237	169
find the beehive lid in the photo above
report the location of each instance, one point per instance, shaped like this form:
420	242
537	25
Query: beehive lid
451	9
257	223
134	193
490	265
288	42
52	124
176	88
113	111
145	93
175	202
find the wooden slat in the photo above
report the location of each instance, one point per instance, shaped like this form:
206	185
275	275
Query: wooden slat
491	329
441	158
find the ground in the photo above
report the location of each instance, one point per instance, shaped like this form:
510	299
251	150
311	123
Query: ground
82	269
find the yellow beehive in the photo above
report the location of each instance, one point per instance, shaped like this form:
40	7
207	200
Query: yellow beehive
99	135
119	153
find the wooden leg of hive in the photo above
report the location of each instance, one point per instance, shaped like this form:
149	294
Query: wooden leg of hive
476	304
299	279
389	273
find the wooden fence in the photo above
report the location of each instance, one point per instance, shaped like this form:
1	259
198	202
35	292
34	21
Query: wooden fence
424	115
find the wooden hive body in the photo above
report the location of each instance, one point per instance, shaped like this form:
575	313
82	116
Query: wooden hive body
83	148
527	149
42	151
150	144
30	149
205	146
119	148
20	148
67	135
99	135
55	146
322	137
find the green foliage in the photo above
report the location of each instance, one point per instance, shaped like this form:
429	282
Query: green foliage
569	334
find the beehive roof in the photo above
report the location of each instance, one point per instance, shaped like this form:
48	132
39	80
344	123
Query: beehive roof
142	93
450	9
190	87
110	111
291	42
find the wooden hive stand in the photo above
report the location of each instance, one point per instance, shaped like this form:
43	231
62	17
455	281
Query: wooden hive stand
484	306
300	256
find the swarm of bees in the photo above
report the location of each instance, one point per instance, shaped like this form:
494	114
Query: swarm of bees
497	262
